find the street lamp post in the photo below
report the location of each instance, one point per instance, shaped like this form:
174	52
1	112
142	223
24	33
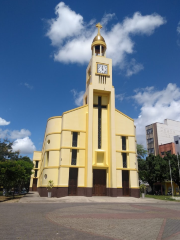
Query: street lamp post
171	178
178	165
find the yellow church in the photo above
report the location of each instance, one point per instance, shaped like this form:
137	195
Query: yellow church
90	150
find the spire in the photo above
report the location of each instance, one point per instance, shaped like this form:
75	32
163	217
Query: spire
99	26
99	42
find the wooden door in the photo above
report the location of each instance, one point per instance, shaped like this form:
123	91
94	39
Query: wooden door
99	182
34	186
125	182
73	174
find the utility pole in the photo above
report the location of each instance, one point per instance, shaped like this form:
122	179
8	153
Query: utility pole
171	177
178	165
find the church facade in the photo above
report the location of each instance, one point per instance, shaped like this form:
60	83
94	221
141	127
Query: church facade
90	150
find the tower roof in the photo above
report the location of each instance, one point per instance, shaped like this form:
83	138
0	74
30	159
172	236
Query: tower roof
98	40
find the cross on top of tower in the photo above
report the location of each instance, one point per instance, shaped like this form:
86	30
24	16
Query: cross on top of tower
99	26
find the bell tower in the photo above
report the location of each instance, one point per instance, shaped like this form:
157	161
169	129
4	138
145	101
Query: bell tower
100	98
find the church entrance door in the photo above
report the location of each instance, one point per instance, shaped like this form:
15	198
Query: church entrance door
125	182
34	186
73	174
99	182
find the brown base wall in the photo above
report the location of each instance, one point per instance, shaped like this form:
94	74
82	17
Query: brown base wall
30	189
135	193
63	192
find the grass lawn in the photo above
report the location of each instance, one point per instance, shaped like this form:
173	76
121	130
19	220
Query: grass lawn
4	198
162	197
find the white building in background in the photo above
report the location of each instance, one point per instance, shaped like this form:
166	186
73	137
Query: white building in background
177	144
161	133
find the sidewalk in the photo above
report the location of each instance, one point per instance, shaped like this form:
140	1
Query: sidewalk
33	197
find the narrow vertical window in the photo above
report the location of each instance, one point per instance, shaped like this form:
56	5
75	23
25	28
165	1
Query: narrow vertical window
35	174
124	157
123	143
74	157
74	139
47	159
36	164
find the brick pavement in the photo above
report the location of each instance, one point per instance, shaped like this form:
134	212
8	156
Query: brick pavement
97	221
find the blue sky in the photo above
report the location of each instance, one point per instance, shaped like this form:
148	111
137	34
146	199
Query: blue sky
45	49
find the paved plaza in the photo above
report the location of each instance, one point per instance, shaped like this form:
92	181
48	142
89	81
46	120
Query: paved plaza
89	218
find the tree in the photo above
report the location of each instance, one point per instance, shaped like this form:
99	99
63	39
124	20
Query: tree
174	167
154	169
15	170
6	151
141	154
141	151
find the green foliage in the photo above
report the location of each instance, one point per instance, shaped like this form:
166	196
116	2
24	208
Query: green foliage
174	167
6	151
141	151
156	169
142	188
50	185
15	170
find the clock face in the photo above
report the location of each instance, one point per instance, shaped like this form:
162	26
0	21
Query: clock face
101	68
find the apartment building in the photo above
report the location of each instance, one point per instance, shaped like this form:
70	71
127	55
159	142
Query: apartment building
158	134
177	144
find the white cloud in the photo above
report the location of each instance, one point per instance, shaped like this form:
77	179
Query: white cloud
78	97
14	134
155	107
178	28
66	24
3	122
24	146
120	96
73	37
3	133
27	85
19	134
178	31
133	68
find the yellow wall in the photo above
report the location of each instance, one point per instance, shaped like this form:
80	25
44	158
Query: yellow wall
84	120
55	140
81	175
54	125
119	178
75	119
52	174
123	124
134	183
63	177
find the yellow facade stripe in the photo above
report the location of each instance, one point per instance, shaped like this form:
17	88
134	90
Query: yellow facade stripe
51	167
53	186
100	167
52	133
78	148
130	169
70	130
106	75
123	151
64	166
73	130
135	187
124	115
52	149
74	109
54	117
71	166
124	135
